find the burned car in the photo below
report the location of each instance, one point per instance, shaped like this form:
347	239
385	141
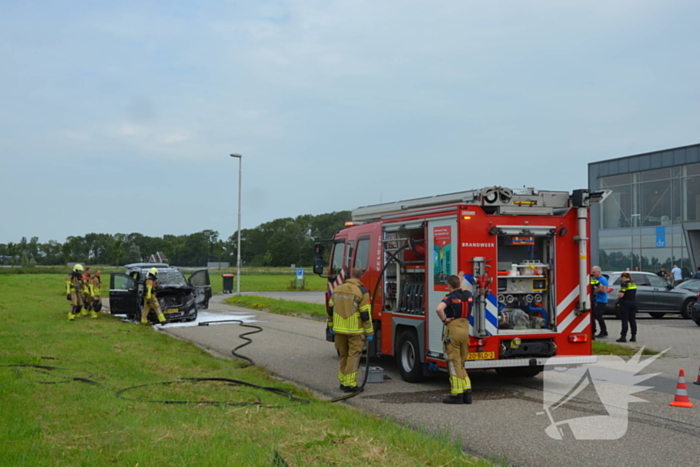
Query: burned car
179	298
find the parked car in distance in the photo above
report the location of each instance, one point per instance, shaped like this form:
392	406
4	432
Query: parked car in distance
694	285
654	295
180	298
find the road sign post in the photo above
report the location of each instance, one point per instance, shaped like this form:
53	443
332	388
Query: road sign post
300	278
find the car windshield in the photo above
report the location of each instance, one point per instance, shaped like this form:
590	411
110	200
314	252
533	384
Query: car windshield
171	278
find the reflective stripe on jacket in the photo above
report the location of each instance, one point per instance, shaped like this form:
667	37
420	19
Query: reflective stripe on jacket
629	290
151	288
74	281
348	301
96	286
594	283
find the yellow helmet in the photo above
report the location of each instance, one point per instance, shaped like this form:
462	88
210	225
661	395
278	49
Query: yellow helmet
153	271
78	268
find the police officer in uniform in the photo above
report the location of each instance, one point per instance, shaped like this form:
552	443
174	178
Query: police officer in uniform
150	301
350	319
627	296
74	285
454	311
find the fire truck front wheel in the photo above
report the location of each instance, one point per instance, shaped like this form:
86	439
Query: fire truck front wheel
408	357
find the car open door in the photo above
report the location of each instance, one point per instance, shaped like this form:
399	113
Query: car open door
123	295
202	288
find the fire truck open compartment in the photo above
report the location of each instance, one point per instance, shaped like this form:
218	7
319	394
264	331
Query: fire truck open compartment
404	280
524	283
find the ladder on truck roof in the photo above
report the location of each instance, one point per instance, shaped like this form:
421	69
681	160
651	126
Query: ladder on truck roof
496	200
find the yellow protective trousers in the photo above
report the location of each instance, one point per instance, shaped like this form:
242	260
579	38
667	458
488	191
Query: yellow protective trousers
87	301
148	305
457	349
350	348
76	299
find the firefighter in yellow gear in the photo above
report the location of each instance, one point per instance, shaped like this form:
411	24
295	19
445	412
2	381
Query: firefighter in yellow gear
74	285
150	301
96	293
454	311
350	321
87	294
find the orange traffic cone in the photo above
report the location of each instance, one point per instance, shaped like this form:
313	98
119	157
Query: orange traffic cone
698	381
681	399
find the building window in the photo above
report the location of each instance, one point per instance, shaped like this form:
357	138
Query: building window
658	174
653	259
615	260
618	211
655	203
690	203
614	180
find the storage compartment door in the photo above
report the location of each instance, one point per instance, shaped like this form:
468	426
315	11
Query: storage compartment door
441	255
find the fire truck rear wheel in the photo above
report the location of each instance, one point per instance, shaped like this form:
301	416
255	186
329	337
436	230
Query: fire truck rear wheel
408	357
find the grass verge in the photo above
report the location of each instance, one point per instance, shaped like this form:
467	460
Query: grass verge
53	416
269	282
279	306
605	348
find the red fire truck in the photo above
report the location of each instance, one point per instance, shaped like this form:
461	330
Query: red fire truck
523	254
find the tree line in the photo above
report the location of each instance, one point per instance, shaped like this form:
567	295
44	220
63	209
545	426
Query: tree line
281	242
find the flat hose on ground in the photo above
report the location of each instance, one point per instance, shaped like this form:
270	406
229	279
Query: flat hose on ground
361	387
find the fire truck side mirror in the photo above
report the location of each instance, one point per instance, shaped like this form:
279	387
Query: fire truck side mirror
318	249
584	198
318	265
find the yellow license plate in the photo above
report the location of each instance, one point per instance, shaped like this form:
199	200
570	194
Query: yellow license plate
481	356
175	310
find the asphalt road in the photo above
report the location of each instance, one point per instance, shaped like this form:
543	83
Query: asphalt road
507	420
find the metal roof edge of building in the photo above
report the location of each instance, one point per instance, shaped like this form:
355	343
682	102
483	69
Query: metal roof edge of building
643	154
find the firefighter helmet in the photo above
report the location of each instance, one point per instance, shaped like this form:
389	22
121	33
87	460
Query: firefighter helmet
153	271
78	268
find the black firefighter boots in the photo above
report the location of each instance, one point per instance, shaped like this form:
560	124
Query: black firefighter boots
467	396
464	398
453	399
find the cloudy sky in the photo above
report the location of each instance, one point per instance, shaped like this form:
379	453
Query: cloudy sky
120	116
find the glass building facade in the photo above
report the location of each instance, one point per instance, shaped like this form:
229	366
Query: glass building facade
652	218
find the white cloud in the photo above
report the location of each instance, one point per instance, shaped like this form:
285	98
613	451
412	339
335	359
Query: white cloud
174	138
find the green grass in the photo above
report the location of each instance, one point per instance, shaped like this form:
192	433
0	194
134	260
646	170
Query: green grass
50	418
252	279
279	306
269	282
604	348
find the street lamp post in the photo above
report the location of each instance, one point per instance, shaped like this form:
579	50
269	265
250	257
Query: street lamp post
238	248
